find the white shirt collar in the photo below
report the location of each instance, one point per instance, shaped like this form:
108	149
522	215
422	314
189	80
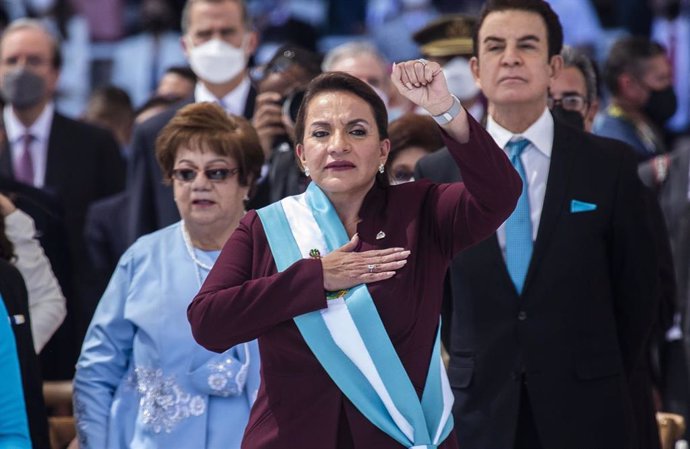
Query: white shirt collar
40	129
540	133
234	102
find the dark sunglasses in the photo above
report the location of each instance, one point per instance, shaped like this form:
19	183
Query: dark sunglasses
212	174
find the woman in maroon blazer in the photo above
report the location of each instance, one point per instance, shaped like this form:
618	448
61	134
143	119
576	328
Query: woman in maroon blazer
401	239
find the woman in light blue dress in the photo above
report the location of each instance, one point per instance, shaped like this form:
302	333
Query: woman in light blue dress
142	381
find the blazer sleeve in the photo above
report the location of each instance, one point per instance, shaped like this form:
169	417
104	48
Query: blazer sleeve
470	211
239	301
14	428
104	359
634	267
46	301
113	179
141	215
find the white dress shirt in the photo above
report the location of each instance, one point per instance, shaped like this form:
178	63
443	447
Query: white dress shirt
40	130
536	159
233	103
46	301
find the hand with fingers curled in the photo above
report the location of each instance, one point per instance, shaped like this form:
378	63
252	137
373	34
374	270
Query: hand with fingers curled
344	268
267	120
424	84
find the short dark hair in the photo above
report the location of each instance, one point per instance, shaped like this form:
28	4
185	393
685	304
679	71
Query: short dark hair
246	18
291	54
208	127
183	71
342	82
554	30
413	130
579	60
109	104
629	55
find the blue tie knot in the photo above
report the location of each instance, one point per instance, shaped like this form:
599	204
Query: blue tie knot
515	147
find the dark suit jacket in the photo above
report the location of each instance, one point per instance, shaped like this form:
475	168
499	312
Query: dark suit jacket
578	328
673	198
16	301
83	165
284	176
152	206
106	239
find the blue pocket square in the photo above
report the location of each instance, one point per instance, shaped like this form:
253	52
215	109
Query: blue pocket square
580	206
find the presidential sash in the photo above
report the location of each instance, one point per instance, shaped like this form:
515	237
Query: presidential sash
348	337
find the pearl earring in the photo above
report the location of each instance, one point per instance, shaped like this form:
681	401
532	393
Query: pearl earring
380	168
306	172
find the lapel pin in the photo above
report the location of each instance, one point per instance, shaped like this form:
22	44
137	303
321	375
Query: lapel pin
380	235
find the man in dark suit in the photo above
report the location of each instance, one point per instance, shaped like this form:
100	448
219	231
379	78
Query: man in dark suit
71	161
218	41
551	314
668	175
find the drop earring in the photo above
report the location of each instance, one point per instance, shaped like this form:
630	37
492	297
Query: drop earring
306	172
380	168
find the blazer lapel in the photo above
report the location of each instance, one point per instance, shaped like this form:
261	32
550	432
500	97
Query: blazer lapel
556	187
249	105
55	162
6	168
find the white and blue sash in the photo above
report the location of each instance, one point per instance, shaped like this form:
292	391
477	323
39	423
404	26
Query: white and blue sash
348	337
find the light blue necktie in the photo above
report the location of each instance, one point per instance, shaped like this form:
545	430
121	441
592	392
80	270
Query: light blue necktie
519	224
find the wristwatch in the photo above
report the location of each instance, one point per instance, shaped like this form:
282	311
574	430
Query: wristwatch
450	114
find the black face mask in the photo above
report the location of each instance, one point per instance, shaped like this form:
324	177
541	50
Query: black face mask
671	10
572	118
661	105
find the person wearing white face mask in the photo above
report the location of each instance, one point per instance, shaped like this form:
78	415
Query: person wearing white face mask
217	40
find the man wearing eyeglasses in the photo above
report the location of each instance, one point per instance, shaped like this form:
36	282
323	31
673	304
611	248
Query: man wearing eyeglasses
218	40
573	94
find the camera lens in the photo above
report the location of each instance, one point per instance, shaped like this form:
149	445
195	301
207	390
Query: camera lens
292	104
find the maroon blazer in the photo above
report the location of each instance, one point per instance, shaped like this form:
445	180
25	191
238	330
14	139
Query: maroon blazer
298	405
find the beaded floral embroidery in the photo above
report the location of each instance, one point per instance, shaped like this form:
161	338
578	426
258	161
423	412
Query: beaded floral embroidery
163	402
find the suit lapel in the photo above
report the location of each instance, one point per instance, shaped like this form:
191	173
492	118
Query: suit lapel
6	168
249	105
55	162
556	188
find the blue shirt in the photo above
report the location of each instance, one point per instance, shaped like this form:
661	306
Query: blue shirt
14	429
